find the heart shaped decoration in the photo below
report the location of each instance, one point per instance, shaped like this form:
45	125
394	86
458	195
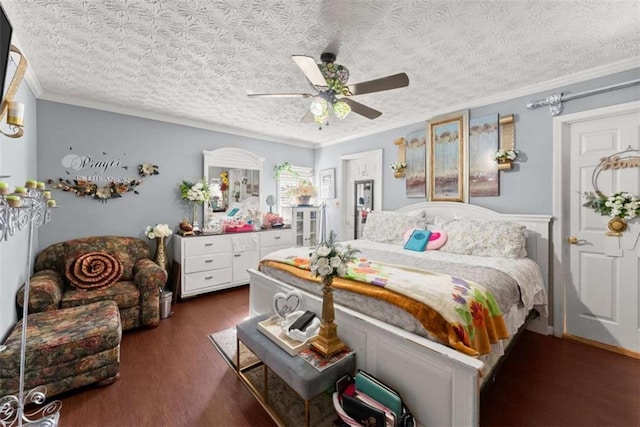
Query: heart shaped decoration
284	304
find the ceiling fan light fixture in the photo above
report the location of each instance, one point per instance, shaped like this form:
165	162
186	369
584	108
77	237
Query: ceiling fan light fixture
336	75
319	106
341	109
322	119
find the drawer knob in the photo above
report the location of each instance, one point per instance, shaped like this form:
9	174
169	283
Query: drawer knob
237	255
208	278
277	237
207	261
208	244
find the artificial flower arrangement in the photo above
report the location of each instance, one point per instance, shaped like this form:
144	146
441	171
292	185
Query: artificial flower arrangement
158	230
283	167
303	188
224	180
147	169
195	191
330	259
621	205
397	166
504	155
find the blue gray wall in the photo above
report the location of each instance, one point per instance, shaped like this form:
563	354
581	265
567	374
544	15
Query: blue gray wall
17	159
525	189
177	150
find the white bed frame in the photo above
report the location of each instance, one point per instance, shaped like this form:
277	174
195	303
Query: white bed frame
438	384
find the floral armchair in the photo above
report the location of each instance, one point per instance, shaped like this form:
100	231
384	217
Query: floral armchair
136	292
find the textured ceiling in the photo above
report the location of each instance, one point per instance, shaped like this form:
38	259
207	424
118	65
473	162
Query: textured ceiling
195	61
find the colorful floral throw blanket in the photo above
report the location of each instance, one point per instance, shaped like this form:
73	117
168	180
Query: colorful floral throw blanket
460	313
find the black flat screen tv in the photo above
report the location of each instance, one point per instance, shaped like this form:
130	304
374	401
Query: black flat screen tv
5	45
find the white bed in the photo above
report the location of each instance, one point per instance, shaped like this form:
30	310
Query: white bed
440	385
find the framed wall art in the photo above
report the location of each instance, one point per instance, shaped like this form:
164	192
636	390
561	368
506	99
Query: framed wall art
448	161
415	154
483	143
328	184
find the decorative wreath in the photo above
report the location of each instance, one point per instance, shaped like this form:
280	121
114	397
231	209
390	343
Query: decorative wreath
111	190
622	205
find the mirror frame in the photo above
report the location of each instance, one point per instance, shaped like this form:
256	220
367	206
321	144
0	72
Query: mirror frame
357	229
234	158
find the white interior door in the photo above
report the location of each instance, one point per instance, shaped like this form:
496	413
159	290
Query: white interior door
602	298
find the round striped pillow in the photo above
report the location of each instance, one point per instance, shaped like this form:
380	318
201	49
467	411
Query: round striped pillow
93	270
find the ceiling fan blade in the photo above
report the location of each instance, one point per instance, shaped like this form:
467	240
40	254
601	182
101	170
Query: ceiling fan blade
307	118
279	95
310	69
362	109
385	83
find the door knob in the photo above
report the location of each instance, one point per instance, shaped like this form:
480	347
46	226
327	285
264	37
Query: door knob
572	240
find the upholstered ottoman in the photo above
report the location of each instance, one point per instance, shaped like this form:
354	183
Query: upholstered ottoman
65	349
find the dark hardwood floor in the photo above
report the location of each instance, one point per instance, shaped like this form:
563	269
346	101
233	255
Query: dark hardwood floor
172	376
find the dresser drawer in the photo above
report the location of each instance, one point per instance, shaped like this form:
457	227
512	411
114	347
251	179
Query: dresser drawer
206	245
212	261
283	238
206	280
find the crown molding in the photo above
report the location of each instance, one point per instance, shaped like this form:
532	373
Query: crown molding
169	119
554	84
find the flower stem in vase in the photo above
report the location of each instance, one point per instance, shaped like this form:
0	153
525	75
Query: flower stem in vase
160	257
196	226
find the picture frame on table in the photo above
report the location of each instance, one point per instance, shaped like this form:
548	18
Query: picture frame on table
328	184
448	158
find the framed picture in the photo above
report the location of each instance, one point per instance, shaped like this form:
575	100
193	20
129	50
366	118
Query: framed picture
483	170
416	174
328	184
448	164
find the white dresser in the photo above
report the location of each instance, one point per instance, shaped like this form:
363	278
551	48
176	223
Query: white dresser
214	262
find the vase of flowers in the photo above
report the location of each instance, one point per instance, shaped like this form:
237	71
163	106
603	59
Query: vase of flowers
197	192
505	158
160	232
327	261
302	192
398	167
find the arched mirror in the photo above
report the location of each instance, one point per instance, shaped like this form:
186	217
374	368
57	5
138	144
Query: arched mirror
235	179
363	204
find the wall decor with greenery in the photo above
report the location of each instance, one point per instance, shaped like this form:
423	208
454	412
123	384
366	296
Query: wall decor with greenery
102	193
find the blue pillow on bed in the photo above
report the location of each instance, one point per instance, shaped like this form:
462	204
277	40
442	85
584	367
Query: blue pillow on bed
418	240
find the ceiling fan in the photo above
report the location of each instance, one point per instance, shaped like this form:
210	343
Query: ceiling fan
330	81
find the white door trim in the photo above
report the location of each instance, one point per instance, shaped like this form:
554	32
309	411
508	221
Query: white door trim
377	186
560	227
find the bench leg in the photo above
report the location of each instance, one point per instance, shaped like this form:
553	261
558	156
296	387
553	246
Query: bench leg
307	416
237	355
265	372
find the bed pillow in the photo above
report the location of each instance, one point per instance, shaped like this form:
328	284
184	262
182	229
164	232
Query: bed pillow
485	238
437	238
93	270
389	227
417	240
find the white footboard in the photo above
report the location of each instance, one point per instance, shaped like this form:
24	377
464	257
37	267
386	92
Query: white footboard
438	384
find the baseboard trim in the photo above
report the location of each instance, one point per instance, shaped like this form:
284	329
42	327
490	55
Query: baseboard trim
608	347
